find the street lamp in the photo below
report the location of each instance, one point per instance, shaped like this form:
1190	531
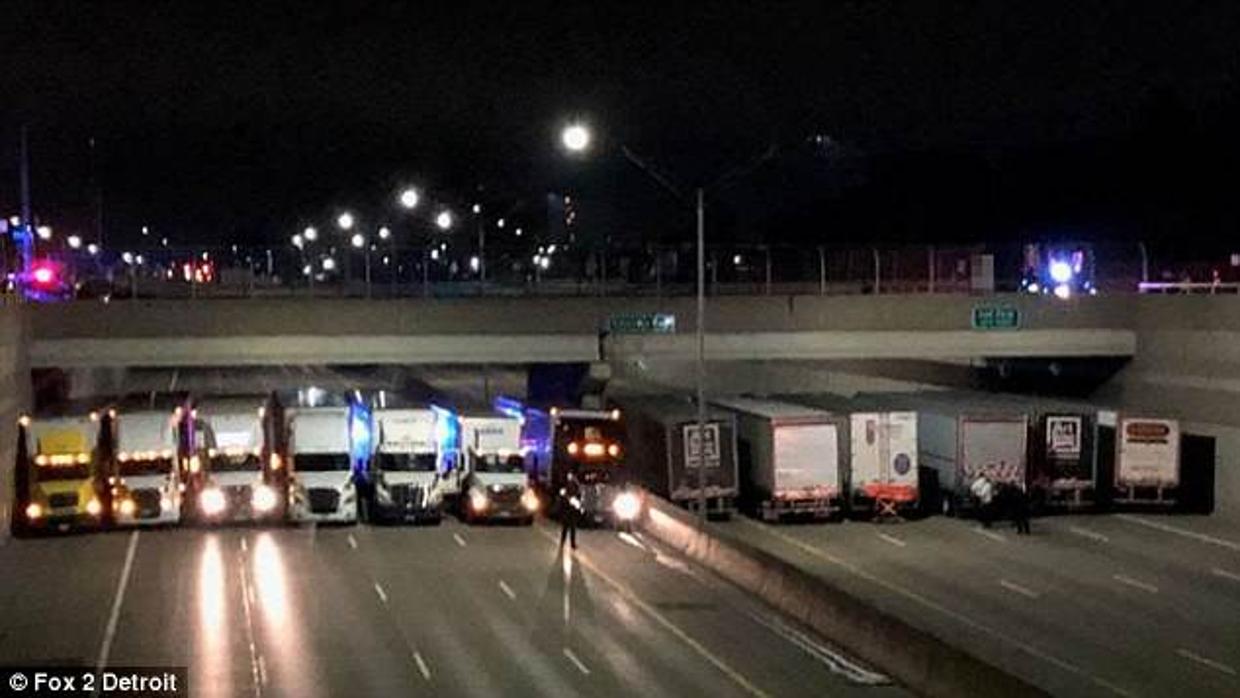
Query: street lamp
329	264
298	242
44	232
358	240
575	137
310	234
409	198
444	220
385	233
75	242
345	221
92	249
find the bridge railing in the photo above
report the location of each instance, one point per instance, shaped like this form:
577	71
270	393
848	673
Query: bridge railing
392	270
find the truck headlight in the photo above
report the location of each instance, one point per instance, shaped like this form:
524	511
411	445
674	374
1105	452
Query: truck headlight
34	511
263	499
529	500
626	506
212	501
478	501
94	507
127	507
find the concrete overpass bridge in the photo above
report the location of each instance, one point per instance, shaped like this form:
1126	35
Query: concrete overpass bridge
556	330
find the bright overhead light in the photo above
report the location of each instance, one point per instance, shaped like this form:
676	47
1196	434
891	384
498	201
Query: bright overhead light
358	240
297	242
576	138
92	249
345	220
329	264
409	198
444	220
477	208
44	232
75	242
385	233
499	223
1061	271
310	233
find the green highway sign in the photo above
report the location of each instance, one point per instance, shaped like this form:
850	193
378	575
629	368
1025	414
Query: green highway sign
996	317
642	323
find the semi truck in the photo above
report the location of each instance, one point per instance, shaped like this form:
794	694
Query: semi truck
237	470
328	445
403	477
666	455
882	465
790	458
495	485
589	443
151	439
960	436
63	465
1147	461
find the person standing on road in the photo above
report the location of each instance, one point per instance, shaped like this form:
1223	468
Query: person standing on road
983	490
1018	508
570	503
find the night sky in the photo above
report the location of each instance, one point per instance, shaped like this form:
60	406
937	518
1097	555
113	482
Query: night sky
948	121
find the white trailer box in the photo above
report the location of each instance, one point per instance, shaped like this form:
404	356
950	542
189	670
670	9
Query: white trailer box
790	457
1147	461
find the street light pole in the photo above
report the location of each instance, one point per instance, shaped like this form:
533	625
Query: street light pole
701	352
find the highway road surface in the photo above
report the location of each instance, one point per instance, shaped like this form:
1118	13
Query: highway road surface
1108	605
451	610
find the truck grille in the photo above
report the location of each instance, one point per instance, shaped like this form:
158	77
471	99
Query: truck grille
147	503
405	496
509	494
323	500
238	497
62	499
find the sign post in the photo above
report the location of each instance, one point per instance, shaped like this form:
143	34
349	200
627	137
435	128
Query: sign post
995	317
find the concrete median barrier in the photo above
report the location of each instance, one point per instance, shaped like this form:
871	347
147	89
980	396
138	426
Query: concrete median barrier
915	658
14	399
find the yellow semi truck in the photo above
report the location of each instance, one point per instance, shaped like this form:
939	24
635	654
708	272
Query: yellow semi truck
64	460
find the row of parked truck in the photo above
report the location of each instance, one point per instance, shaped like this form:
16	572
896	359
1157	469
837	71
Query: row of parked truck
311	456
891	454
308	456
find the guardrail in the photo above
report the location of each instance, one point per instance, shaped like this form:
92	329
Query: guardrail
1188	287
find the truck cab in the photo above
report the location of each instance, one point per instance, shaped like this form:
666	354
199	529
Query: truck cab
495	485
403	475
148	479
238	472
327	445
63	463
589	443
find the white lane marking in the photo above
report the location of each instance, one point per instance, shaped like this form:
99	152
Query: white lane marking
382	594
893	540
459	540
631	540
262	669
1086	533
109	633
422	667
1219	572
989	534
1022	590
1135	583
663	621
352	542
1206	661
247	605
243	545
1223	542
835	662
933	605
503	586
585	670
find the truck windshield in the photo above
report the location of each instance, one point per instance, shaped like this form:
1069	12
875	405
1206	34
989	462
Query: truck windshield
48	473
405	462
236	464
321	462
152	466
494	463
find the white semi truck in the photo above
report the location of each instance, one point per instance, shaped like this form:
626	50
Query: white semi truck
325	446
237	472
790	458
149	484
495	484
403	477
